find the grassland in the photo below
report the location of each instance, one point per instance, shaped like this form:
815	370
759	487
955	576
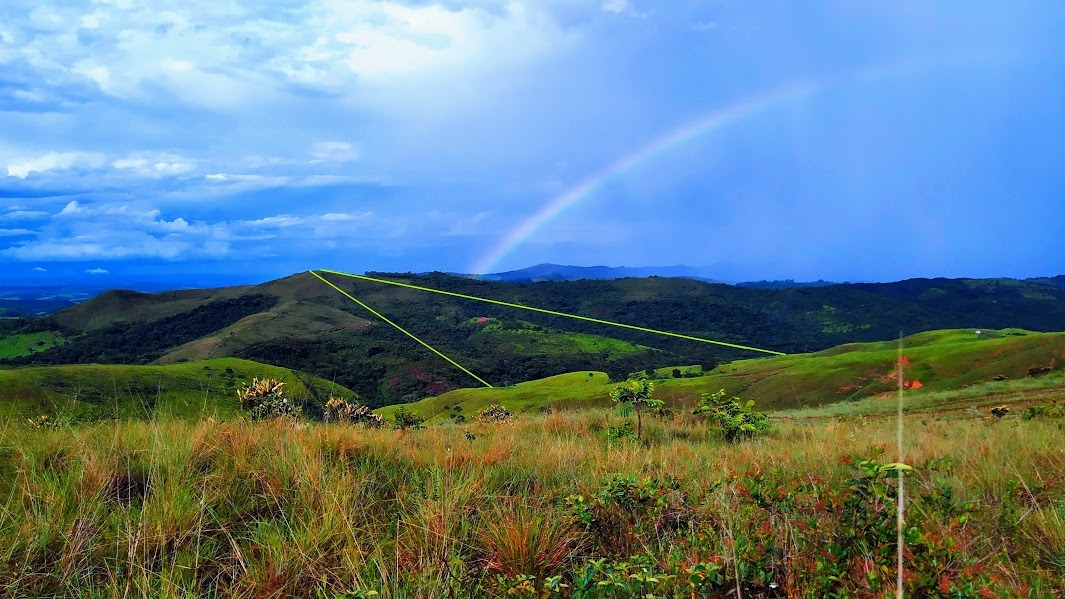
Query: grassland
953	367
240	509
25	344
188	390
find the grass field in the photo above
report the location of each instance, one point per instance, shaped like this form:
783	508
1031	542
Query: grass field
953	366
14	346
187	390
240	509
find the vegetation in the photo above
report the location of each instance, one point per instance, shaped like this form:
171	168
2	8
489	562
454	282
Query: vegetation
636	394
300	323
191	390
737	421
539	508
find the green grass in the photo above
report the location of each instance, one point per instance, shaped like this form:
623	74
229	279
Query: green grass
952	365
187	390
25	344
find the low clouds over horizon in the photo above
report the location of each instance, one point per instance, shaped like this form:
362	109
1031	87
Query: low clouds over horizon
379	134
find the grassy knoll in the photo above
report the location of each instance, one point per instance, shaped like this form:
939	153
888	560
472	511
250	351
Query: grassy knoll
951	366
186	390
25	344
171	508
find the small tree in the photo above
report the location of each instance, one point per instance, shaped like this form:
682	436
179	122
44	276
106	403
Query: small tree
737	422
636	393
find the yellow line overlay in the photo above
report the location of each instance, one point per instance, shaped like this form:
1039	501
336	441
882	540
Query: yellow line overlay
403	330
542	310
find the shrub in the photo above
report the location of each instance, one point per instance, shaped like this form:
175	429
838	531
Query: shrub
737	422
404	419
342	411
1046	410
265	399
494	413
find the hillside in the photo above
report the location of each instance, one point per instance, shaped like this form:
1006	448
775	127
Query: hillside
298	322
953	367
190	390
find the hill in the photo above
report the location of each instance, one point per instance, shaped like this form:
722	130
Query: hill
190	390
300	323
953	368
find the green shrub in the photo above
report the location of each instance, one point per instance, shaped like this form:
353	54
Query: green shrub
737	422
1046	410
636	393
265	400
404	419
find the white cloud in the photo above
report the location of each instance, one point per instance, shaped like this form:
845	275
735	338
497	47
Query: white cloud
53	161
14	232
21	213
155	164
39	269
334	151
614	6
96	271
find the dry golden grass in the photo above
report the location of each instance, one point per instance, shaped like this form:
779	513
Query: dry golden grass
281	509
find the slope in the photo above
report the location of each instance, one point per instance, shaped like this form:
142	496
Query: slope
188	390
298	322
949	365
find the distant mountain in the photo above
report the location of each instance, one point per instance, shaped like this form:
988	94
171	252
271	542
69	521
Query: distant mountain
299	322
560	272
1058	281
784	284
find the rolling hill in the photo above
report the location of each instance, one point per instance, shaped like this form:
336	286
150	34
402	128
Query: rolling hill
189	390
952	367
300	323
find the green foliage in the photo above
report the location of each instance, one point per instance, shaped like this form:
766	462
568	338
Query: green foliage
637	394
403	419
1044	410
621	432
265	400
494	413
737	422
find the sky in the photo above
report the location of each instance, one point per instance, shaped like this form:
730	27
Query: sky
225	140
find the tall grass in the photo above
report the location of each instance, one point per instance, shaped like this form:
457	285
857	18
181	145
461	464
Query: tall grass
179	509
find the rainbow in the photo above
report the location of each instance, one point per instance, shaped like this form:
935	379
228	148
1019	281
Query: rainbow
587	187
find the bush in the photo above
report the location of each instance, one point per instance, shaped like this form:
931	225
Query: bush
345	412
737	422
265	399
494	413
1046	410
404	419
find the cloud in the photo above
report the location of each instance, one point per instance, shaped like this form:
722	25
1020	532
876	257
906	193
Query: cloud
614	6
53	161
23	214
96	271
14	232
39	269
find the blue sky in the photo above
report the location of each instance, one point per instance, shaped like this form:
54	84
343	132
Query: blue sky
256	139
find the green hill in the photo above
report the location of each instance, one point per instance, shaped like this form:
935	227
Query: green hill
298	322
951	367
188	390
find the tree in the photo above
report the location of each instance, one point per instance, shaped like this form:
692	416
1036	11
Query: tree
636	393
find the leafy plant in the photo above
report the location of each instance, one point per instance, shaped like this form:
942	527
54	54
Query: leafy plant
404	419
737	422
342	411
494	413
636	393
265	399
